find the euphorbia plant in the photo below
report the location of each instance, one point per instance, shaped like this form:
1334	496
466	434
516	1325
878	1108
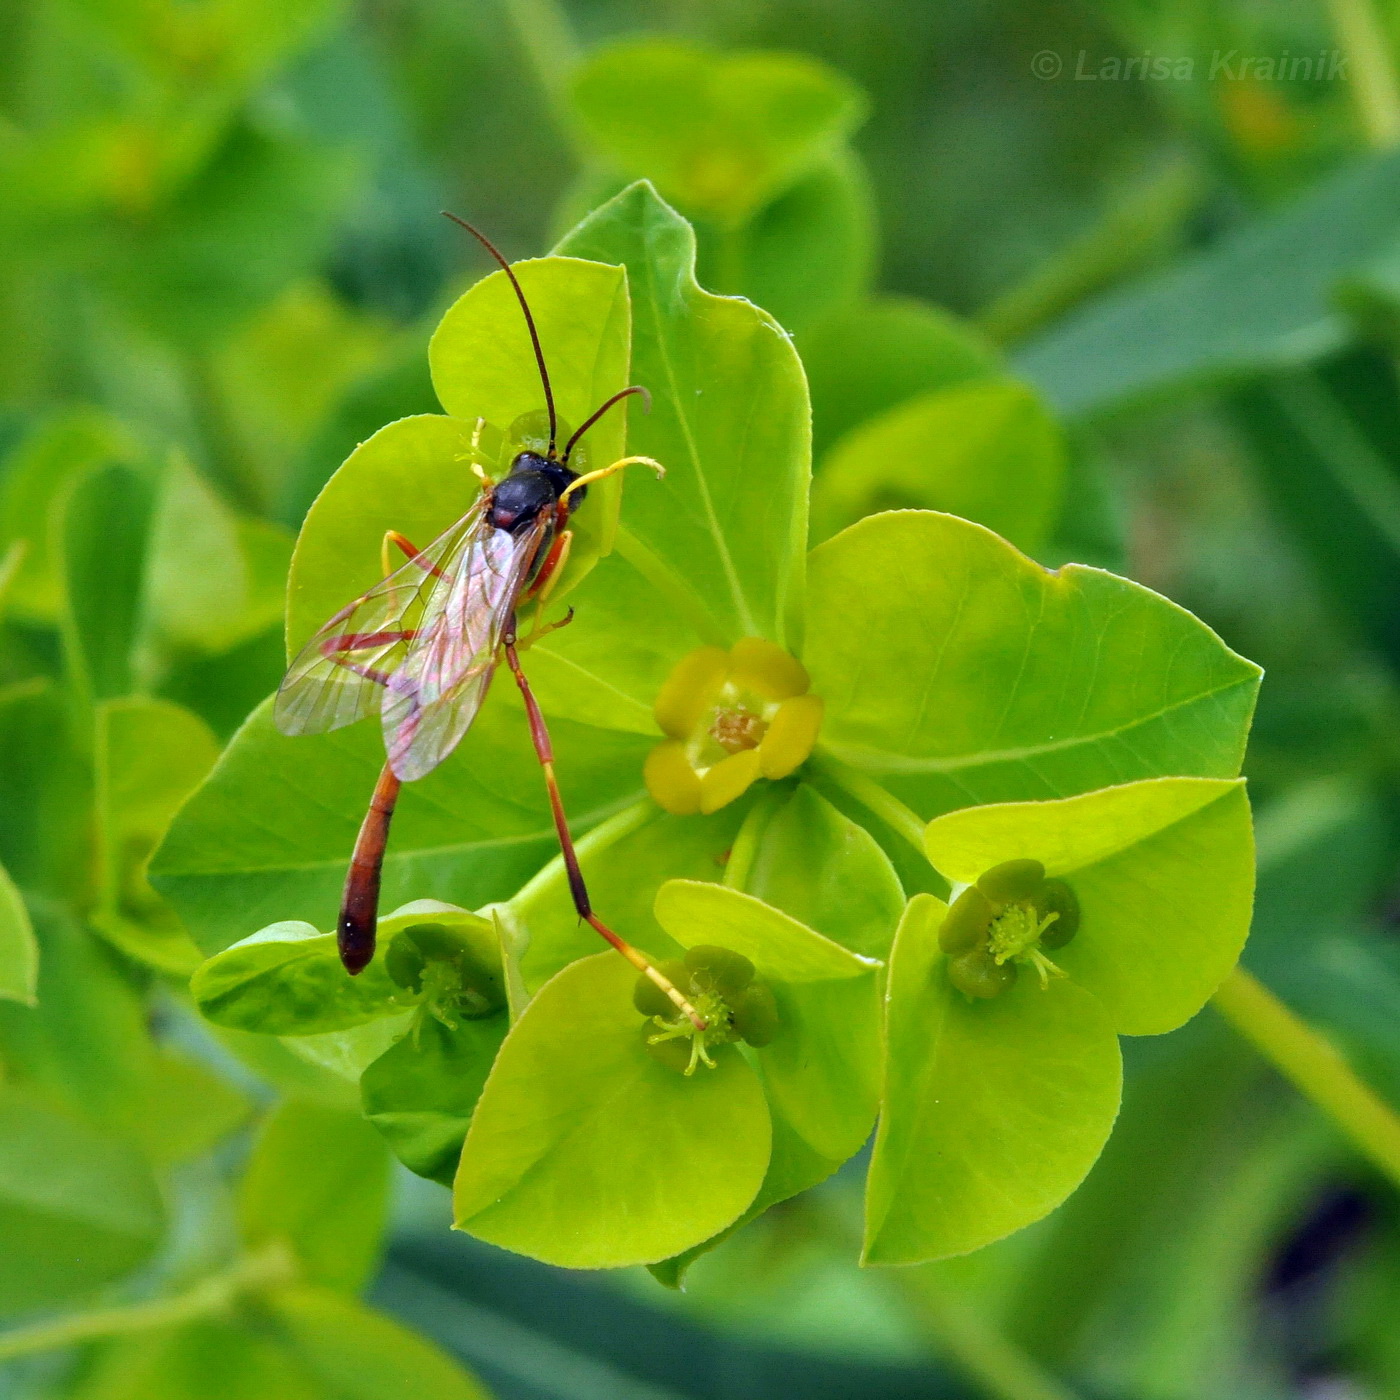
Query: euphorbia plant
765	752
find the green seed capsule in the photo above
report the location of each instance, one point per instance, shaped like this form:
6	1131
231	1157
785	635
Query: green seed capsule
650	1000
755	1015
967	922
978	974
1058	898
673	1053
404	962
718	969
1012	881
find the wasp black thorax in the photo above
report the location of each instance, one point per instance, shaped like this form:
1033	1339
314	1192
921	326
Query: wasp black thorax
535	484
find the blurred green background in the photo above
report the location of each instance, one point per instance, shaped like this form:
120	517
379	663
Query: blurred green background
220	260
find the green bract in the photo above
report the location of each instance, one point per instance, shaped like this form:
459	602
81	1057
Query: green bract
1015	682
939	669
587	1152
415	476
19	954
287	978
987	450
1164	874
995	1108
992	1111
820	1069
724	132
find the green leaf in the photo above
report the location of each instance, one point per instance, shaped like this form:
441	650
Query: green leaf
992	1111
484	365
722	538
318	1182
1013	682
213	580
277	1064
809	252
281	384
149	755
821	1071
84	1045
1164	874
257	217
19	953
348	1054
413	476
46	780
987	451
269	835
37	475
482	359
865	359
826	872
1150	340
719	133
625	861
421	1092
78	1207
202	1360
358	1353
186	1109
586	1152
287	979
607	666
695	912
105	529
793	1168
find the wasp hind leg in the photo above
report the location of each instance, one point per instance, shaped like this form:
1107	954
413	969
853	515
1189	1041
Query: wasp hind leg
410	551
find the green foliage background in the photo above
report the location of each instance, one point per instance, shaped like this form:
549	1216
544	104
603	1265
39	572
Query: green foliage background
1146	324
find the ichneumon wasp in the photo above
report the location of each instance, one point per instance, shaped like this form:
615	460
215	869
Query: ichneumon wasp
422	646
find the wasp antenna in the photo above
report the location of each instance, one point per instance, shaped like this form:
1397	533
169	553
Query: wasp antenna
529	320
599	412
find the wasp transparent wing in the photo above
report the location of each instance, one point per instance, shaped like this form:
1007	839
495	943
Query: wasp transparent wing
433	696
340	675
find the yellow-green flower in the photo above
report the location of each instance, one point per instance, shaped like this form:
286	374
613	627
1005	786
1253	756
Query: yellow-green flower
730	717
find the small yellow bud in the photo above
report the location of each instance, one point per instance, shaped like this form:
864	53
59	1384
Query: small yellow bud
731	777
670	779
766	669
690	690
791	734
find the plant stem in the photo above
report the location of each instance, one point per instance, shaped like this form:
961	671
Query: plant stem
1360	34
744	851
1315	1068
547	39
874	799
209	1296
974	1345
1123	237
